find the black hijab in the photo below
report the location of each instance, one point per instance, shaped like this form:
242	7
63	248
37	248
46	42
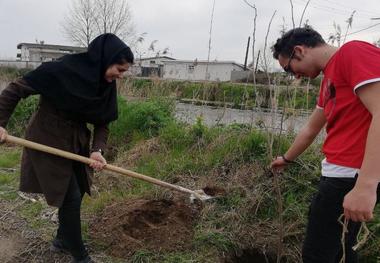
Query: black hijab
75	83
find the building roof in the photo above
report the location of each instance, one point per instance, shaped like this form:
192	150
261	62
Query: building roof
160	57
204	62
48	46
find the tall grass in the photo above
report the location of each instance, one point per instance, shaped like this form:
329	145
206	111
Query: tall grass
234	95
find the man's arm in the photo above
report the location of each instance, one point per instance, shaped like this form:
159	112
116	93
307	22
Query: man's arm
360	201
303	140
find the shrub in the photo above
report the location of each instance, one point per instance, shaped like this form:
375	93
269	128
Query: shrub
12	73
145	118
175	135
21	115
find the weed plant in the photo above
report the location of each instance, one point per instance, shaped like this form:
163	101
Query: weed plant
10	73
234	95
236	158
21	115
139	120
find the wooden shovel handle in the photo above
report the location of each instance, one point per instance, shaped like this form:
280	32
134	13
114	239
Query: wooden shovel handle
79	158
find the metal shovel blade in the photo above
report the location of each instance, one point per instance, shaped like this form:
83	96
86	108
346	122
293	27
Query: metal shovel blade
200	195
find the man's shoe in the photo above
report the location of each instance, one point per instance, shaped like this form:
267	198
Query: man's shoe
85	260
57	246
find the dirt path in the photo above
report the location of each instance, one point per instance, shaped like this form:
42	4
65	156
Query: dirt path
9	246
18	243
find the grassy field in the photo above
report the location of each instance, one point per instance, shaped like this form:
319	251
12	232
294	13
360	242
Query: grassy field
248	219
258	215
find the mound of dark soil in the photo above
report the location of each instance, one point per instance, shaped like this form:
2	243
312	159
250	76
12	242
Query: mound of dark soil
153	225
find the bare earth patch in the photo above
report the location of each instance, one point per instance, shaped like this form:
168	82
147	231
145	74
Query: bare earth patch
9	246
151	225
18	243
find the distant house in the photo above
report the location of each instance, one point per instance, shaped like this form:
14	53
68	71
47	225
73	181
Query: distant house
196	70
151	66
44	52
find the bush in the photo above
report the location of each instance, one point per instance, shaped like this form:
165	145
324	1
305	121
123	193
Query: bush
143	119
21	115
175	135
13	73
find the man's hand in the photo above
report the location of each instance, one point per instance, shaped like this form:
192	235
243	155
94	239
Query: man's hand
3	134
99	161
359	203
278	164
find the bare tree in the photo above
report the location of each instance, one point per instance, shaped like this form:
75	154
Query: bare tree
78	24
88	18
114	16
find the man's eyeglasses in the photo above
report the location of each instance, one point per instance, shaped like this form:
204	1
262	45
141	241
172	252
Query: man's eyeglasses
288	69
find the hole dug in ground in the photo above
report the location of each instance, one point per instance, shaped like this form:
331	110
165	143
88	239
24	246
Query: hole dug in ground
153	225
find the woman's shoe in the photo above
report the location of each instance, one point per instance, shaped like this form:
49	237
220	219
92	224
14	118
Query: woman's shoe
85	260
57	246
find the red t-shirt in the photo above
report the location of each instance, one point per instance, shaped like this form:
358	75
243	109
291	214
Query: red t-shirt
355	64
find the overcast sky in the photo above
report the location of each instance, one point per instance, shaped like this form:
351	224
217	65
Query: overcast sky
183	25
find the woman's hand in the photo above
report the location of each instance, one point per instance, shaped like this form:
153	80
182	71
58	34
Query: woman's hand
99	161
3	134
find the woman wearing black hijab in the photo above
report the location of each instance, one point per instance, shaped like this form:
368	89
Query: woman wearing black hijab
75	90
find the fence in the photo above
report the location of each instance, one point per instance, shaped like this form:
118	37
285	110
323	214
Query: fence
19	64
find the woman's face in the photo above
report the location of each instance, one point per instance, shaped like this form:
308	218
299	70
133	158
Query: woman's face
115	71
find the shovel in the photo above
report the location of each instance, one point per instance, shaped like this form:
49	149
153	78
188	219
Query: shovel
194	194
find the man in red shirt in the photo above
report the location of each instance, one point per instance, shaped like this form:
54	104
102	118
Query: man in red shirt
349	106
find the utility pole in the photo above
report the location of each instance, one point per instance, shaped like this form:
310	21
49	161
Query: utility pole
246	54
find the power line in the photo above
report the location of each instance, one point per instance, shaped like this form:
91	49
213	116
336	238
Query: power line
331	10
361	30
351	7
338	11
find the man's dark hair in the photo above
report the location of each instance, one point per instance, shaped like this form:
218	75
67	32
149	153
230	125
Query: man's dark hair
305	36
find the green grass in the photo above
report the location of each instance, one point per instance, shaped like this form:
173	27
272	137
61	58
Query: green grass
143	256
21	115
218	240
9	157
31	212
139	120
8	185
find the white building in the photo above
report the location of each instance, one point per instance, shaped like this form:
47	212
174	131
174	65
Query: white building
44	52
152	62
151	66
200	70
